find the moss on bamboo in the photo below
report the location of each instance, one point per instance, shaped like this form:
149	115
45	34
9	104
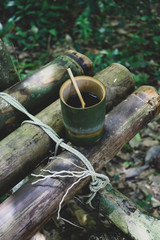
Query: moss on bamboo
8	73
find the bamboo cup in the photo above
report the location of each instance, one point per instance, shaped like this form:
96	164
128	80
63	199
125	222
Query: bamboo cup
84	126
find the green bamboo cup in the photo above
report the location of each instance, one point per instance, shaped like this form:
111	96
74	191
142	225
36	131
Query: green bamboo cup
84	126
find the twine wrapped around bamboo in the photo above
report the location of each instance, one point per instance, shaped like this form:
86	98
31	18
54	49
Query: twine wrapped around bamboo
26	147
23	213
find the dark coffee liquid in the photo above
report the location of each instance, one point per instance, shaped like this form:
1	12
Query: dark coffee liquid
89	99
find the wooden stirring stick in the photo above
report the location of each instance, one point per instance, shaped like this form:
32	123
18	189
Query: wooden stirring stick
76	87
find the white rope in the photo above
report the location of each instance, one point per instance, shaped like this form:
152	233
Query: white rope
98	180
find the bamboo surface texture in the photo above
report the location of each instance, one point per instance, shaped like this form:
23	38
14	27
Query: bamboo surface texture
8	73
24	213
23	149
126	215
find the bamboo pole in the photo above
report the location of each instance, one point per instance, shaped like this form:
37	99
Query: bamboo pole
25	148
24	213
41	88
8	73
126	215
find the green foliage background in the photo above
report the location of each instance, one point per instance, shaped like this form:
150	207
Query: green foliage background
127	32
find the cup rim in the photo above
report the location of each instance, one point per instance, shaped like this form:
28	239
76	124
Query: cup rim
82	78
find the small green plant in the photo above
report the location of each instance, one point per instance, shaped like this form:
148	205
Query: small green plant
104	58
129	163
116	177
118	31
141	79
127	147
83	28
156	173
146	203
137	137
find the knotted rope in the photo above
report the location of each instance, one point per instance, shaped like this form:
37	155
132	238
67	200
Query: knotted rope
98	181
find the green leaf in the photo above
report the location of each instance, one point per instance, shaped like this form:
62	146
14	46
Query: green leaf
53	32
138	137
127	163
1	26
10	4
